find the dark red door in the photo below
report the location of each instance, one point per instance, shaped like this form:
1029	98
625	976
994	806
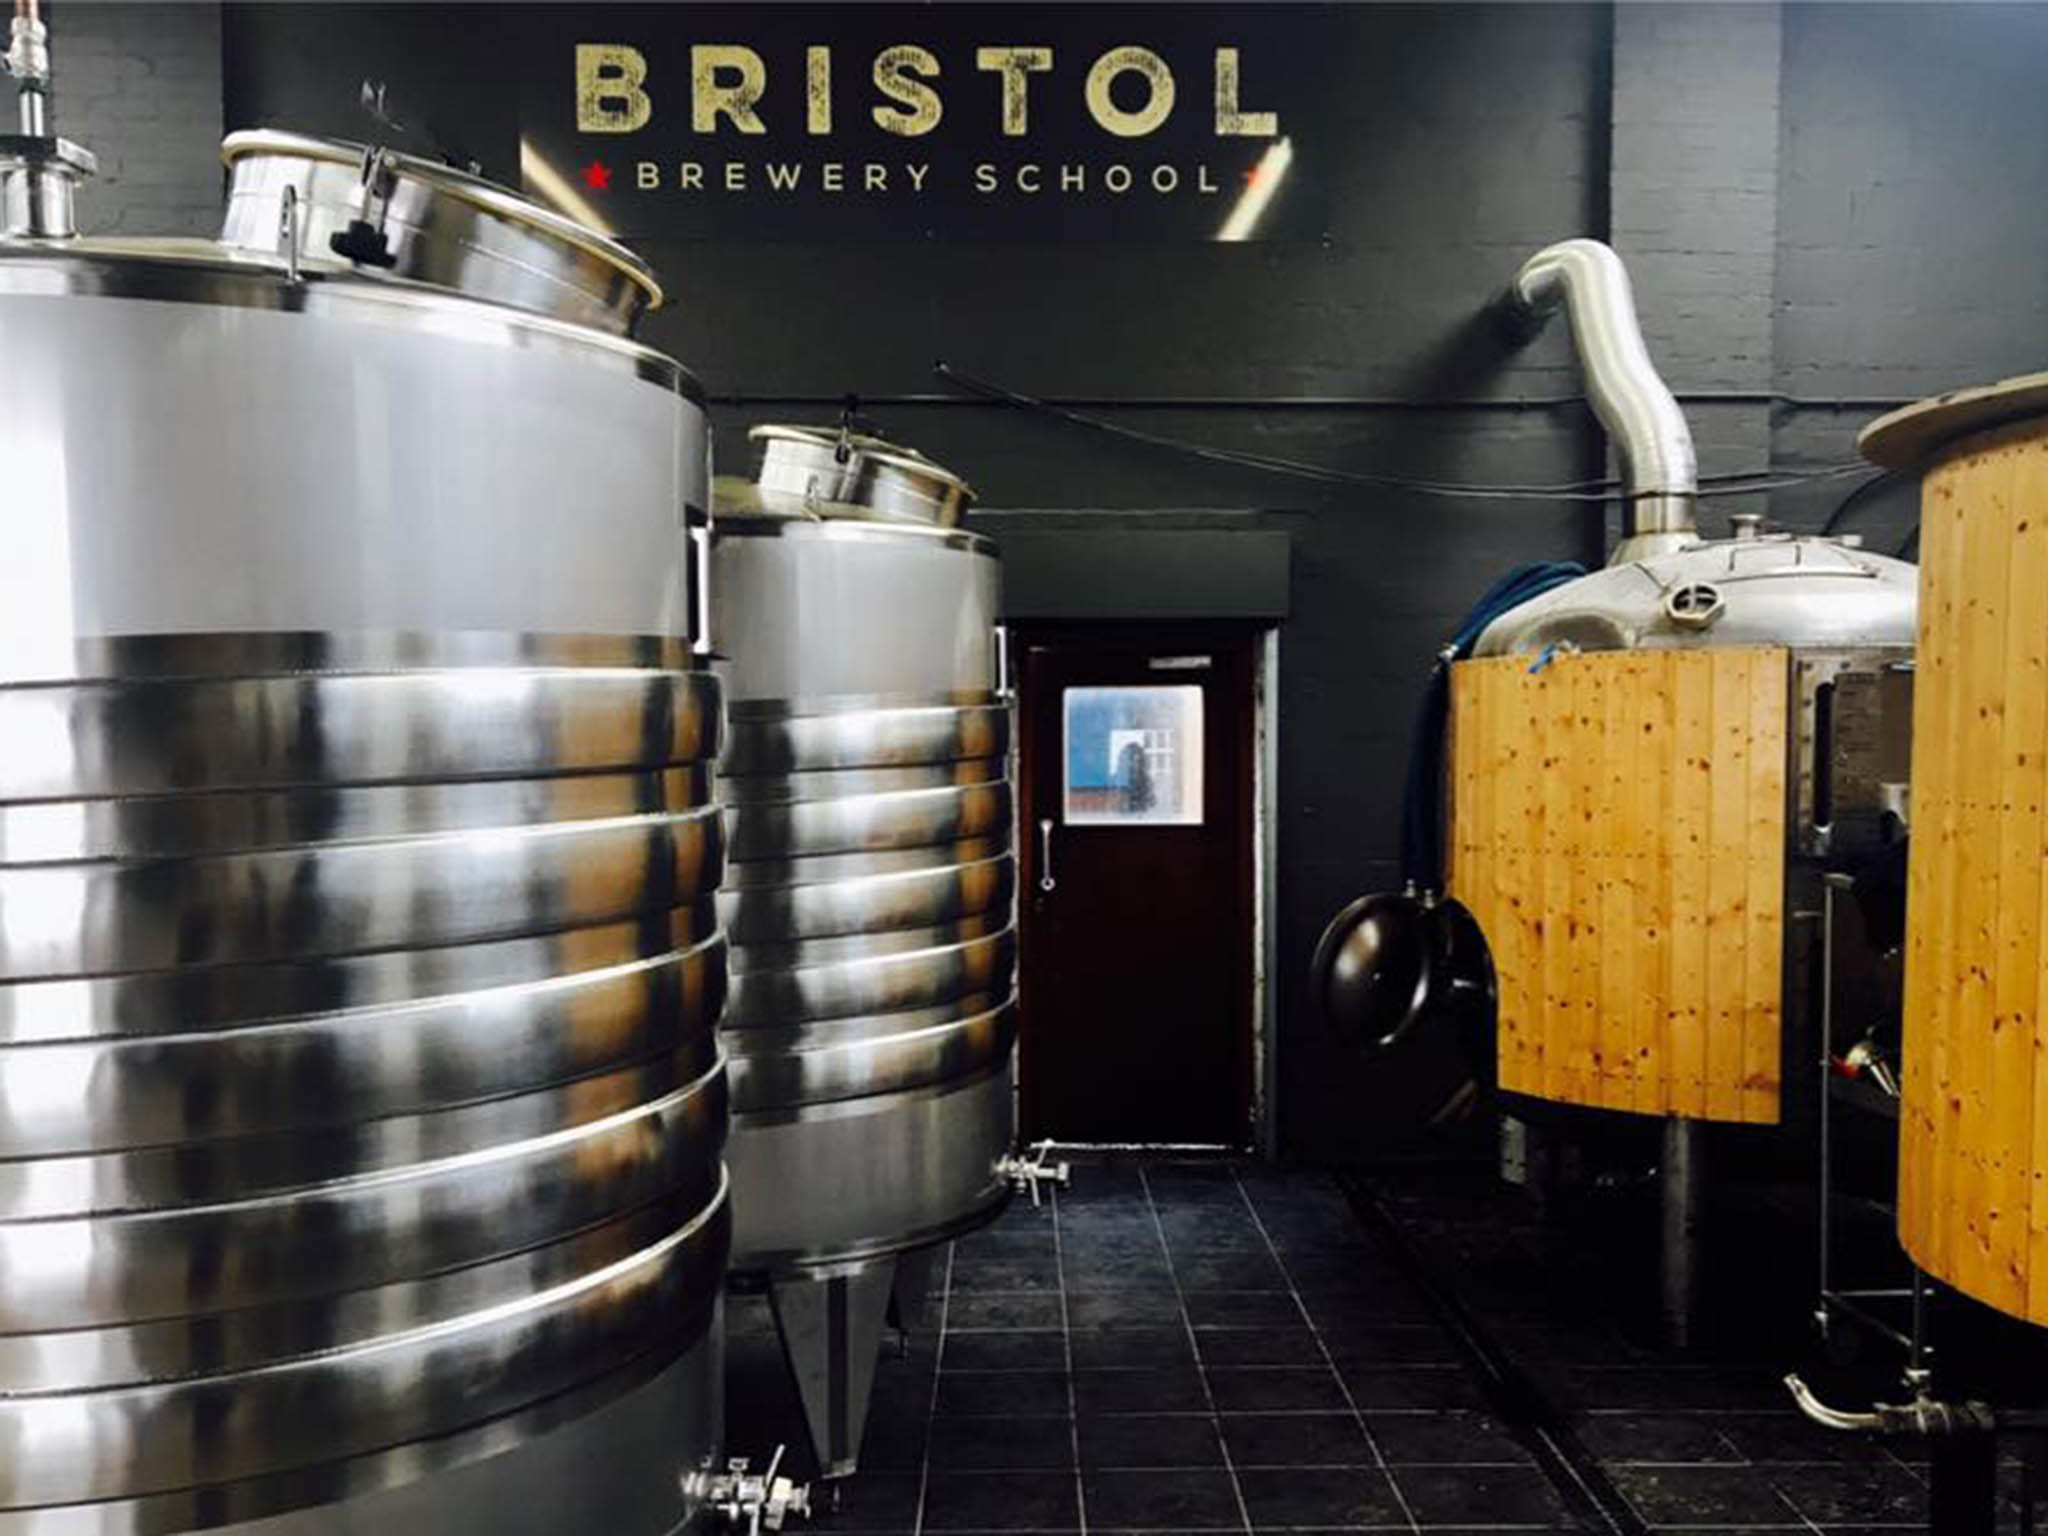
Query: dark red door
1136	833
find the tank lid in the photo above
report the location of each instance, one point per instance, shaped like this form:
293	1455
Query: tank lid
1906	438
1763	589
833	472
358	207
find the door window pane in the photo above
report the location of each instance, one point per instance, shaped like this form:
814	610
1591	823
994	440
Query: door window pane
1134	755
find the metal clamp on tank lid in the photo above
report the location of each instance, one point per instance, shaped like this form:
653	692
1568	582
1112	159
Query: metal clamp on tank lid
838	472
367	207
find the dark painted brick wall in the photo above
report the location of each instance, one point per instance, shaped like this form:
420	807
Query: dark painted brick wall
1913	219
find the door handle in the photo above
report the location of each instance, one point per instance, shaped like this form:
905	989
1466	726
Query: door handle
1045	879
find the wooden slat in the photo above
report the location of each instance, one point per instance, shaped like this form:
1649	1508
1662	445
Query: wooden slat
1691	816
1519	860
1562	1074
1727	882
1583	848
1975	934
1933	771
1629	873
1649	830
1764	941
1615	873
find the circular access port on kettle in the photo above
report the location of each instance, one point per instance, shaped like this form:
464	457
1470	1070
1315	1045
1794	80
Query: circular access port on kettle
1694	605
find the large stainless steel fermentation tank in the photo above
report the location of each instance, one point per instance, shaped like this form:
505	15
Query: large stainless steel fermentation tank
361	1103
869	894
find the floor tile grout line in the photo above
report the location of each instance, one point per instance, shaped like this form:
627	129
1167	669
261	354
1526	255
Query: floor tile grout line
1329	1360
931	1418
1059	1265
1244	1513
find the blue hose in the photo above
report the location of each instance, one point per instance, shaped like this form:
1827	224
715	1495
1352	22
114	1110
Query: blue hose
1422	833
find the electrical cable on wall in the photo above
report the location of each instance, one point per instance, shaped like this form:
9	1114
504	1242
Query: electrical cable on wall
1736	483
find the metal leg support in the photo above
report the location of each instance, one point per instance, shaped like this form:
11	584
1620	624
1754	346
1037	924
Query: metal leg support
1681	1175
912	1290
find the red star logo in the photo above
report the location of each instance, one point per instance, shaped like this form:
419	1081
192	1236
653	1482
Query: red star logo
597	176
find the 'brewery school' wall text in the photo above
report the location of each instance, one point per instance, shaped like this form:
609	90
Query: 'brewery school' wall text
913	121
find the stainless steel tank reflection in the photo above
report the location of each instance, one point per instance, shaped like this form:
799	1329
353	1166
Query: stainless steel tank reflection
361	1104
869	893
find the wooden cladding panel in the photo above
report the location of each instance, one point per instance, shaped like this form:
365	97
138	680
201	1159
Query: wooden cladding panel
1618	829
1973	1156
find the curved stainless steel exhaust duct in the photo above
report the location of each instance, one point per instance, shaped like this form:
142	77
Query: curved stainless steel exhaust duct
1660	474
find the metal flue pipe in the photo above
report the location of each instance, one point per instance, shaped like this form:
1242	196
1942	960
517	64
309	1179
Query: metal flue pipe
1659	471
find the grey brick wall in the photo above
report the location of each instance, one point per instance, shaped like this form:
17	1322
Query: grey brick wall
1694	208
140	86
1913	225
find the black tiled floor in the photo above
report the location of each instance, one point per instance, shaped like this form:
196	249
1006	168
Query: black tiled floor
1490	1495
1321	1498
1423	1438
1132	1442
1190	1500
1701	1495
1166	1348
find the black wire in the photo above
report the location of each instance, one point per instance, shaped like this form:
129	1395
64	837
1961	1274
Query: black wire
1739	483
1856	494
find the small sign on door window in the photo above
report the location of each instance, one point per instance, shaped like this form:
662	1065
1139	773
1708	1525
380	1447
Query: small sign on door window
1133	755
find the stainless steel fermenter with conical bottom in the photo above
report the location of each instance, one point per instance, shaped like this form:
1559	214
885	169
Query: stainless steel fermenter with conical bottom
869	896
361	1103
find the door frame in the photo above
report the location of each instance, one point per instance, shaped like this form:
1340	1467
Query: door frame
1261	1133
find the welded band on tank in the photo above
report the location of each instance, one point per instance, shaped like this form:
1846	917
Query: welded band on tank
912	818
919	898
68	741
577	1415
299	1074
341	898
865	738
832	783
828	1071
188	825
87	1359
822	869
763	708
835	949
895	983
230	654
205	274
847	530
441	1214
122	1443
194	998
176	1176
